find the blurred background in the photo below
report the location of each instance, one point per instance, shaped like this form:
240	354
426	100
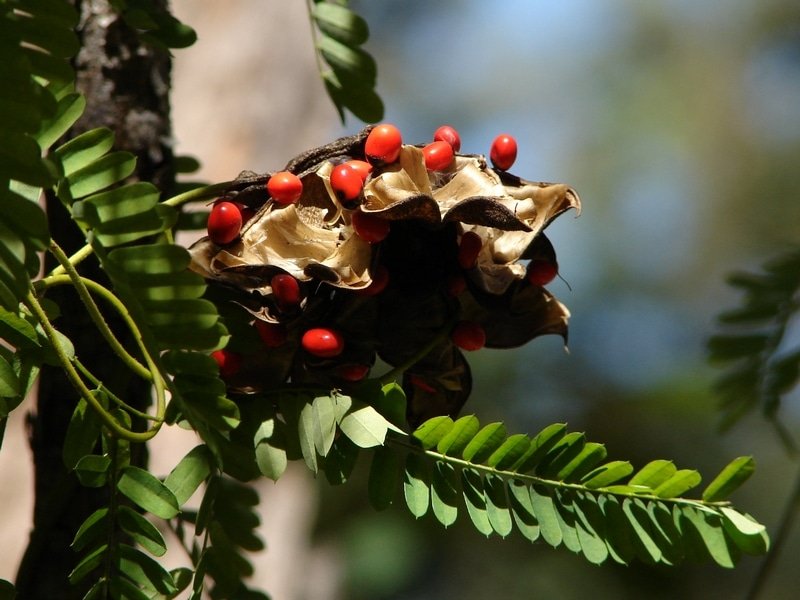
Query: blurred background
678	122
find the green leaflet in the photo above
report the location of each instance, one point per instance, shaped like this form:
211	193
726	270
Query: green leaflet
607	474
97	175
509	451
541	444
545	512
95	527
416	485
729	479
340	23
145	571
486	441
142	531
472	486
433	430
681	482
522	509
462	431
143	489
270	449
83	150
561	455
365	426
654	474
91	470
192	470
444	493
497	506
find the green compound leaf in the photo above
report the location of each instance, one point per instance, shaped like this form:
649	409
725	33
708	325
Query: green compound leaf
350	64
147	492
729	479
359	98
613	513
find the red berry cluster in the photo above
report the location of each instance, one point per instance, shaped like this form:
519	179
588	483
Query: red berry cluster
370	248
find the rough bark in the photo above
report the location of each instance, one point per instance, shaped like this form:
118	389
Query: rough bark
126	85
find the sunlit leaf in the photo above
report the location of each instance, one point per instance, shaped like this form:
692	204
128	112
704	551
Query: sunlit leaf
433	430
416	485
486	441
146	491
729	479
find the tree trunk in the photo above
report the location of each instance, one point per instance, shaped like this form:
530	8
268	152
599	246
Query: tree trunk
126	85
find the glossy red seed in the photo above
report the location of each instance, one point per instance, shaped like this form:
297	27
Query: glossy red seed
541	272
456	284
503	152
272	334
286	290
285	187
383	144
362	167
224	222
468	335
438	156
323	342
445	133
468	249
380	279
419	383
229	362
354	372
346	182
370	228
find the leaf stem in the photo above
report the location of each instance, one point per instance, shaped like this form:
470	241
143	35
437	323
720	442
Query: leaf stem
405	442
73	260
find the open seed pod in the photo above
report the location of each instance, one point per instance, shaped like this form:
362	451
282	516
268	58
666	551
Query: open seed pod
450	241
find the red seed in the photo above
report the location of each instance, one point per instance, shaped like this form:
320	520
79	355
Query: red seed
380	279
272	334
354	372
383	144
323	342
468	249
286	290
346	182
285	187
438	156
224	222
229	362
468	335
370	228
362	167
503	152
541	272
445	133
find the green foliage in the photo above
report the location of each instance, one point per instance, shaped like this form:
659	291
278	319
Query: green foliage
763	364
348	71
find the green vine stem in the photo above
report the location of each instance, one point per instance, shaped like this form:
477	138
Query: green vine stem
111	395
199	194
32	303
81	286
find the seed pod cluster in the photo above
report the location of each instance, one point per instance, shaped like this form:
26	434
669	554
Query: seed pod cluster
370	248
